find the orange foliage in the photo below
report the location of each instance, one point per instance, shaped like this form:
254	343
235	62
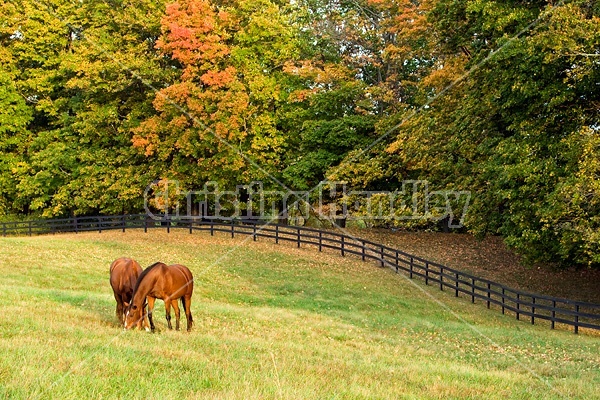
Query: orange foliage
145	137
219	78
174	94
450	69
146	143
191	32
180	122
302	95
410	25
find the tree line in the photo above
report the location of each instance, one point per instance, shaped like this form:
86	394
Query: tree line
500	98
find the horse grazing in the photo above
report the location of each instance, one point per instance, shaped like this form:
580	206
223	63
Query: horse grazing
124	273
165	282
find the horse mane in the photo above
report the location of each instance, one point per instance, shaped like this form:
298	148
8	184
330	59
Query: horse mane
143	275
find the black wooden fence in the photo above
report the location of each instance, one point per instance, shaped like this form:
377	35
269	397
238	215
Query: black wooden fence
522	305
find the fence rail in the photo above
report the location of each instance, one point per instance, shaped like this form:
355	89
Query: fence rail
522	304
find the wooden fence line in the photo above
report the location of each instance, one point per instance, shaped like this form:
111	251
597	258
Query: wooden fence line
521	304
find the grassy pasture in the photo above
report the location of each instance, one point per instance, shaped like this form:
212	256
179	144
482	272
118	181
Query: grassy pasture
271	322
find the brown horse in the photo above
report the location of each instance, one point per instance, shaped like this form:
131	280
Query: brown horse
165	282
124	273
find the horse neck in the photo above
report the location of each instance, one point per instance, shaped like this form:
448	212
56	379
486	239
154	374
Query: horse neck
140	294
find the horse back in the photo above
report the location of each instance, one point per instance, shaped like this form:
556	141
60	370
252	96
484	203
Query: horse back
166	281
184	270
180	279
123	274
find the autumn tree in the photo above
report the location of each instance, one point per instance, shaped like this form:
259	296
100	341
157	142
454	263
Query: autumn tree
15	114
515	122
85	74
499	98
360	73
223	119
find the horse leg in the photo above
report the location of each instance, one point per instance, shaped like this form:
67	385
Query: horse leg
168	313
177	313
145	323
187	304
119	310
150	308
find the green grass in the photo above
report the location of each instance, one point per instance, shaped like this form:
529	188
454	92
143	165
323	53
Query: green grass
271	322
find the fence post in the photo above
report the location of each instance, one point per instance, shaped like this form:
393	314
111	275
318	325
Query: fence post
502	300
75	222
99	225
363	250
553	314
518	303
397	261
472	290
442	279
232	228
212	227
382	256
277	234
489	295
343	253
426	273
577	318
532	310
145	223
29	228
411	265
254	232
456	290
320	241
123	222
298	236
191	224
168	225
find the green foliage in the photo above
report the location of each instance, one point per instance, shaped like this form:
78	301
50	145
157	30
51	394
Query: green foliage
518	128
86	73
324	144
499	98
14	118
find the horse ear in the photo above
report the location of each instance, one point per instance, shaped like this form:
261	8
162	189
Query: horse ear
126	304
